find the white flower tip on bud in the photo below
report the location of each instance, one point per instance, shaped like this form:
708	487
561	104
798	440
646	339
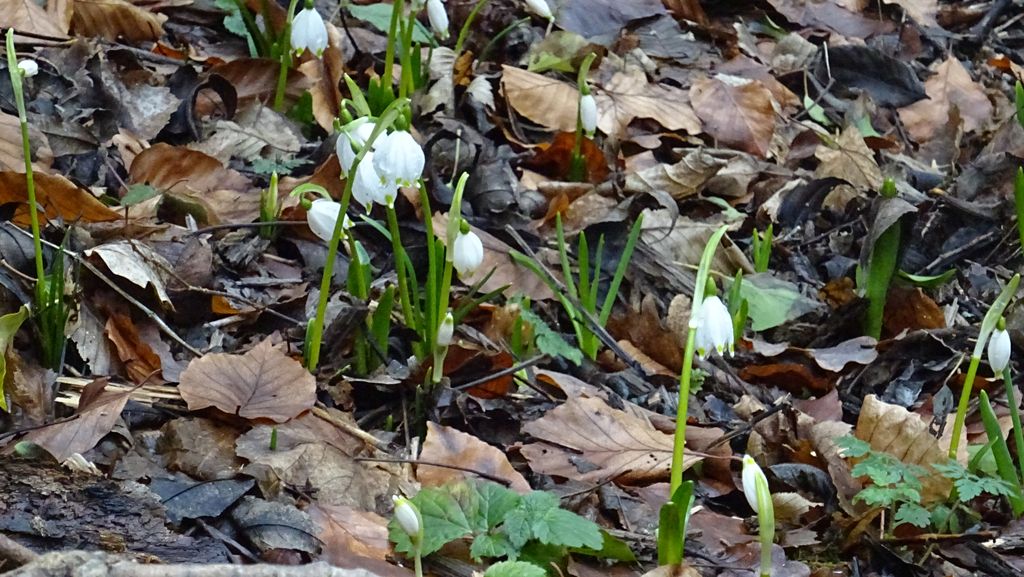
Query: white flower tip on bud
753	477
540	8
588	113
438	18
999	350
446	331
28	68
309	32
714	327
407	516
468	253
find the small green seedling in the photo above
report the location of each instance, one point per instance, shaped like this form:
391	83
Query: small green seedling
881	268
761	247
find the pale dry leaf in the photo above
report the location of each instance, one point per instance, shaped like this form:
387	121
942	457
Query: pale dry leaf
61	12
347	532
449	446
789	507
951	85
28	16
681	180
546	101
114	19
629	95
137	263
256	132
849	159
262	383
587	440
681	241
201	448
11	153
91	423
735	111
895	430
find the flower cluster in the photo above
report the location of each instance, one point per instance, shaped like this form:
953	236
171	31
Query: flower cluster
392	160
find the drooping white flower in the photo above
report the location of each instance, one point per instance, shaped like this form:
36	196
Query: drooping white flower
323	215
446	330
438	18
468	253
352	138
540	8
28	67
714	327
399	159
588	113
408	516
309	32
999	350
752	475
368	186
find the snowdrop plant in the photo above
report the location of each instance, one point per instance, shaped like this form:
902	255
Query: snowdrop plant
759	496
999	360
303	31
586	120
51	312
988	325
714	328
409	519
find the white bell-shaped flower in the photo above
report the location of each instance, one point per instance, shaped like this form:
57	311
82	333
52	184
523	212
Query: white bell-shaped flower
368	187
309	32
540	8
588	113
323	215
408	516
351	139
468	253
446	330
752	477
28	67
714	327
999	350
438	17
399	159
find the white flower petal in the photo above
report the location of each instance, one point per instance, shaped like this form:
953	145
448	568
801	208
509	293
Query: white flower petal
588	113
399	159
309	32
752	475
28	68
999	350
468	253
438	18
446	330
540	8
406	515
714	327
323	215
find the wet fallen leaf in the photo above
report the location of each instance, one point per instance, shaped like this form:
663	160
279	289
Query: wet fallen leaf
951	85
187	499
448	446
736	112
263	382
860	350
91	422
269	526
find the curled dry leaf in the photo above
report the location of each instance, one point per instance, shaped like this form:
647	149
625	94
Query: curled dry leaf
58	196
114	19
448	446
736	112
262	383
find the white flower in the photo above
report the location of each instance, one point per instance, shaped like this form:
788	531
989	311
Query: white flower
407	516
999	350
399	159
368	186
752	476
446	330
28	67
468	253
588	113
714	327
540	8
352	137
438	18
309	32
322	217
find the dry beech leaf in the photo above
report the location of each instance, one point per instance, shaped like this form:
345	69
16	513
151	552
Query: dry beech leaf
951	85
97	415
448	446
139	360
849	159
546	101
28	16
587	440
347	533
136	263
255	78
114	19
58	196
262	383
11	154
904	435
735	111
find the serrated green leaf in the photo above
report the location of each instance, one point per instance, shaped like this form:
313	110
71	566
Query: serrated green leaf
443	522
548	341
495	503
913	514
282	166
515	569
853	447
565	528
492	545
611	548
138	193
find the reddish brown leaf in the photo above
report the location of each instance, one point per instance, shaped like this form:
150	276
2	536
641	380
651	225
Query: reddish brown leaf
262	383
81	433
736	112
792	377
58	196
139	359
555	159
911	309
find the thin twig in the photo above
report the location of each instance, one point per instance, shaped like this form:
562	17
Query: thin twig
419	463
351	429
502	373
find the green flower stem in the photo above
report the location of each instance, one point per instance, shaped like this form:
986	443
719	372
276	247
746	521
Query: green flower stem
403	282
360	292
432	321
417	559
766	527
285	57
578	164
26	149
679	440
464	31
881	268
440	308
389	54
407	86
961	409
317	328
1018	433
1018	198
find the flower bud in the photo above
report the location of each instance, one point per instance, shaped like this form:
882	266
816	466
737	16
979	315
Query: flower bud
714	327
322	216
999	350
588	113
407	516
28	67
468	253
540	8
752	476
446	330
309	32
438	18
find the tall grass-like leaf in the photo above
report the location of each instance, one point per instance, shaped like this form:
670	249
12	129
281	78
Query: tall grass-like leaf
1004	463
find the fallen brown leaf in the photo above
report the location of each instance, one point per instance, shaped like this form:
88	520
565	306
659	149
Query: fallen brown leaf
262	383
139	360
58	196
28	16
114	19
347	533
850	159
951	85
736	112
91	422
137	263
449	446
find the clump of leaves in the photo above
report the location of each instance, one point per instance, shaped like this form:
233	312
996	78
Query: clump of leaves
897	485
502	524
